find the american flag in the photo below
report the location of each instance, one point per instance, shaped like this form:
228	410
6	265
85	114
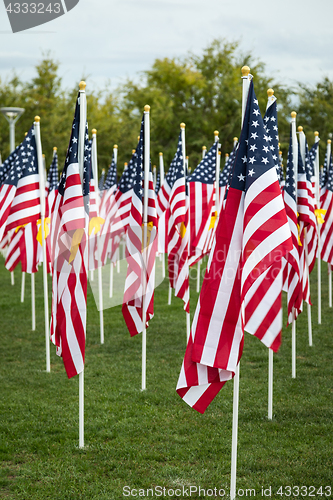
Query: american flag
291	261
140	256
326	229
13	255
69	223
311	234
158	183
271	127
252	234
52	184
178	234
201	185
19	193
109	188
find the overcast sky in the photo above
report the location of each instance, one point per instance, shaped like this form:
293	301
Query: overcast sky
115	39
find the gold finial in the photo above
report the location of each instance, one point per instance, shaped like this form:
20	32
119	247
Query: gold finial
204	148
245	70
37	118
138	137
280	153
293	114
182	125
147	108
161	154
300	128
82	85
43	155
219	153
270	92
115	146
103	170
329	141
94	131
316	133
125	164
133	151
235	138
186	157
227	155
55	148
25	134
216	133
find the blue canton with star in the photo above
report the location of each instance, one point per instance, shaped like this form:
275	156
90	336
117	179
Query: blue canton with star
206	170
133	176
23	161
226	172
271	128
176	169
329	184
52	177
158	183
254	156
290	185
111	177
72	156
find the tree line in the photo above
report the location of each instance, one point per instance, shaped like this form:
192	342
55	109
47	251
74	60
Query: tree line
203	91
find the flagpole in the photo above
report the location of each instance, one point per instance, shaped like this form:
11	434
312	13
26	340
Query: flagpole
329	269
12	279
82	132
316	134
270	100
154	176
295	161
42	212
33	303
246	85
182	128
302	141
22	286
146	164
99	263
115	158
204	151
161	166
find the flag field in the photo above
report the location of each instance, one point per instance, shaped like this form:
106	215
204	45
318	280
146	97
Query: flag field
144	440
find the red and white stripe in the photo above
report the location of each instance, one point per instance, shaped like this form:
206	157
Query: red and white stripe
25	206
69	283
13	256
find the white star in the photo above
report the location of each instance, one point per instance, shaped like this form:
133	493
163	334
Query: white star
251	172
254	135
253	147
256	112
244	159
265	160
74	140
266	149
241	177
251	160
255	124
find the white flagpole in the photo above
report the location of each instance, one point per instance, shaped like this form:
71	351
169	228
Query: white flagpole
328	154
302	140
99	263
295	161
22	286
82	132
146	163
270	100
42	211
182	128
33	303
161	166
246	85
115	157
12	279
154	176
316	134
204	151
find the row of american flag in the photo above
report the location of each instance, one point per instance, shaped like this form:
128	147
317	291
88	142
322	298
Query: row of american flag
262	232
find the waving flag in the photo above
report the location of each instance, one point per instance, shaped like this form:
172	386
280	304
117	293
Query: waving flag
292	265
69	222
202	213
19	193
109	188
178	234
140	257
326	229
51	183
252	234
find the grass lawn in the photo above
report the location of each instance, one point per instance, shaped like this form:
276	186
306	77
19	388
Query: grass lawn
153	439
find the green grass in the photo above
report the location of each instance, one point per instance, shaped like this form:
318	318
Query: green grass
152	438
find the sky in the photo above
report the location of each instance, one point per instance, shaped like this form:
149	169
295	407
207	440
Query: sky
112	40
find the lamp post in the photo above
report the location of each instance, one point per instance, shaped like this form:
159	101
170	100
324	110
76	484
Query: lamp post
12	115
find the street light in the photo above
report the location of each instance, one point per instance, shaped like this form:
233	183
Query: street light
12	115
